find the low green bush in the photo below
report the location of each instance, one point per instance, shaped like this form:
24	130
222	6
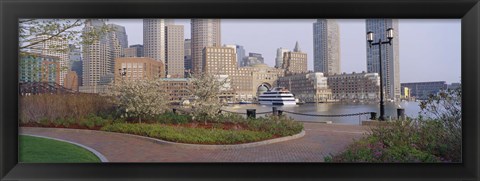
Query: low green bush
189	135
276	125
173	118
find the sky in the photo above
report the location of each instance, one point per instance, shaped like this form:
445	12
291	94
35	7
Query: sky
430	49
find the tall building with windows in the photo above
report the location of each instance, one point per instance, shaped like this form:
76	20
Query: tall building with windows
174	64
53	47
326	46
204	33
295	61
390	56
279	58
121	34
219	60
154	38
99	57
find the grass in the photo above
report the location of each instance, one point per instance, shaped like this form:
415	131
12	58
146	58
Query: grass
42	150
189	135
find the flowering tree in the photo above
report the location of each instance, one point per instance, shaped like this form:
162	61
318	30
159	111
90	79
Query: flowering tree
139	98
206	89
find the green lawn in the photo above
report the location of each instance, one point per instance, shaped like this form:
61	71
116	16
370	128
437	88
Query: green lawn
42	150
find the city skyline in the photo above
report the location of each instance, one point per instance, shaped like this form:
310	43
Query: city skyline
444	51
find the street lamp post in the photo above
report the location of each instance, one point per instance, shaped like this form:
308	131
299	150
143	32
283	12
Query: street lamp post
370	37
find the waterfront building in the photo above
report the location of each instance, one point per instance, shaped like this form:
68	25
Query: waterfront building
251	59
390	56
326	46
130	52
53	47
279	58
307	87
245	81
36	67
405	93
251	81
99	56
154	38
139	50
454	86
187	61
138	68
295	61
175	48
71	81
355	86
421	90
204	33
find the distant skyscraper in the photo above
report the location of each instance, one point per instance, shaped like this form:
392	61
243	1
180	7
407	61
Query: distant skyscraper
295	62
326	46
175	51
121	35
187	56
98	57
204	33
154	38
252	59
279	58
139	49
53	47
390	55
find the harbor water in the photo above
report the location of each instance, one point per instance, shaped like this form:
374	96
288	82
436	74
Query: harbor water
412	109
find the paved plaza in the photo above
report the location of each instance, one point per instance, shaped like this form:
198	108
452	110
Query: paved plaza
320	140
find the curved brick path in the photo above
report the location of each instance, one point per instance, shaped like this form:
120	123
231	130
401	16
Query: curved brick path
320	140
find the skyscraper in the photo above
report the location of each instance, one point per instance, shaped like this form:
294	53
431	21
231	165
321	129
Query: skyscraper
154	38
98	57
121	34
175	51
187	63
326	46
390	56
53	47
204	33
279	58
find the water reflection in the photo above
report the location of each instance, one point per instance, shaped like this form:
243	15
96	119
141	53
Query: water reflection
411	110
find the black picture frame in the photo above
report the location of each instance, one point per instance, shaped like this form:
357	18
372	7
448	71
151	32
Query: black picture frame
11	11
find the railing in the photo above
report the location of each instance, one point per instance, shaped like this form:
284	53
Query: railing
252	113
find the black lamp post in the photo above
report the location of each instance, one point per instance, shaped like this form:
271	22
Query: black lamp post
370	37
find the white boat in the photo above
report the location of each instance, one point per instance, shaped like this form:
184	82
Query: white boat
277	96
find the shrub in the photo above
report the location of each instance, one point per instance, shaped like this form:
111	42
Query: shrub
188	135
172	118
34	108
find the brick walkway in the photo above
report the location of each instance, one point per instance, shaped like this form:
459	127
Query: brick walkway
320	140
